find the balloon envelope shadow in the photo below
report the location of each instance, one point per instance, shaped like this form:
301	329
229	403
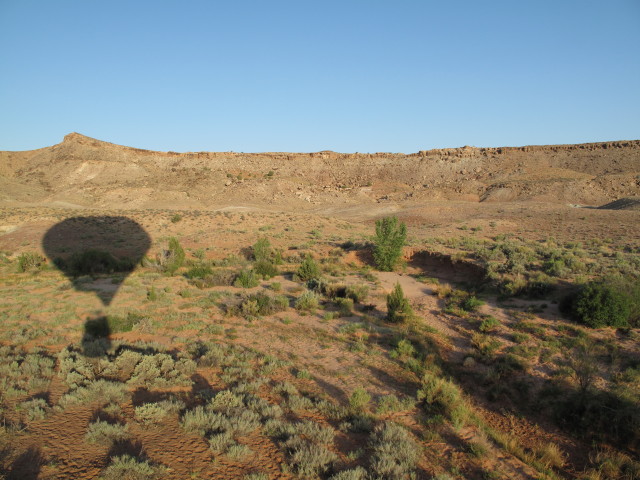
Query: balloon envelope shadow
96	253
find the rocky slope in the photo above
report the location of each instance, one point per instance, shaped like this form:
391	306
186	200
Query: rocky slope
86	172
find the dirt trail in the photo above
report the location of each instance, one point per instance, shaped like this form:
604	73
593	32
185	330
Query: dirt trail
421	297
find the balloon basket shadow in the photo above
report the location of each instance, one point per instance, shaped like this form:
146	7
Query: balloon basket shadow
96	339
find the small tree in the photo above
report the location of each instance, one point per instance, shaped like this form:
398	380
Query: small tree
262	250
308	270
583	363
389	240
173	257
398	308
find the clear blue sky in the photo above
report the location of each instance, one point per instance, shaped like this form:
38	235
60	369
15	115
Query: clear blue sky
301	75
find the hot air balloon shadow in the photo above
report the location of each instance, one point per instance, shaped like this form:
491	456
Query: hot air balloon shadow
96	254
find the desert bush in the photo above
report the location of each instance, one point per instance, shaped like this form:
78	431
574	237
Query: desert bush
388	242
441	396
218	278
172	258
480	445
555	267
391	403
246	279
398	308
550	455
297	403
34	409
238	451
279	429
203	421
308	269
314	432
357	473
263	408
345	306
261	250
220	442
357	293
161	371
101	391
104	326
471	303
225	399
489	324
75	369
598	304
613	465
126	467
359	399
395	454
538	285
308	301
30	261
242	422
198	272
600	415
263	304
307	459
486	346
256	476
150	413
106	433
265	269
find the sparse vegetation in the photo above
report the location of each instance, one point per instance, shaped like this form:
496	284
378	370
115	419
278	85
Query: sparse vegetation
323	322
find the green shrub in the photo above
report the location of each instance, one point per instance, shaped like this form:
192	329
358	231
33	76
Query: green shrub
471	303
359	399
598	304
395	453
151	413
28	261
357	293
126	323
308	301
346	306
198	271
388	242
398	308
126	467
307	459
262	304
218	278
391	403
172	258
246	279
266	269
489	324
357	473
441	396
106	433
152	294
308	269
261	250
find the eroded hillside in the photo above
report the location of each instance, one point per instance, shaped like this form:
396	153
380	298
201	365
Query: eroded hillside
82	171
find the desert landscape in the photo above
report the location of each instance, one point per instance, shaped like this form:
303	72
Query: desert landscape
465	313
